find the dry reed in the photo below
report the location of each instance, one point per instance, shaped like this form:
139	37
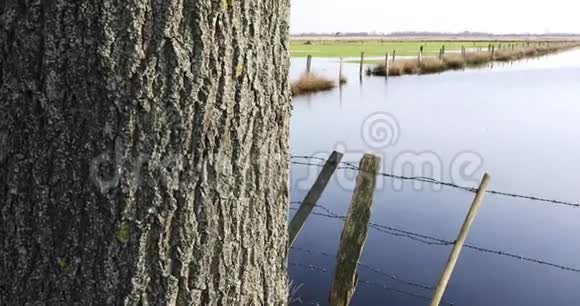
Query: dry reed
310	83
457	61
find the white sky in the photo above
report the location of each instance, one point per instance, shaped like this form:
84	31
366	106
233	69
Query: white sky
495	16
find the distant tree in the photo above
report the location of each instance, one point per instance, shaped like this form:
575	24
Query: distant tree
143	152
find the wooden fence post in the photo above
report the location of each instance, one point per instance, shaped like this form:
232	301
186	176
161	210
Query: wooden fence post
454	256
463	52
387	65
354	233
362	59
394	51
312	197
493	52
309	64
443	52
420	55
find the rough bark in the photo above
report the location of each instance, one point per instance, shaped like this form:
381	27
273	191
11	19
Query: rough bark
143	152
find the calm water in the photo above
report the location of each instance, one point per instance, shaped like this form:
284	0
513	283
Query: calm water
519	122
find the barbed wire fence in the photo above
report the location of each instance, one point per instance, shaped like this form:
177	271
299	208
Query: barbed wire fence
351	166
369	283
418	237
431	240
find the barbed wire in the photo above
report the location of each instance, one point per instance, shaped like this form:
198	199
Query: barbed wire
431	240
351	166
371	268
384	286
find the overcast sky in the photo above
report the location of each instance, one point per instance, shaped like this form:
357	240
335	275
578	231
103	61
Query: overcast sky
496	16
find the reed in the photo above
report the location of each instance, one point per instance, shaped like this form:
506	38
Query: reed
477	58
432	65
310	83
454	62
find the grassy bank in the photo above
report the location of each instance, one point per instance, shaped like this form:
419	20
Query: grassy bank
430	65
334	49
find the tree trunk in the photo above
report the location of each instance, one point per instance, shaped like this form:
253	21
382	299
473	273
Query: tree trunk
143	152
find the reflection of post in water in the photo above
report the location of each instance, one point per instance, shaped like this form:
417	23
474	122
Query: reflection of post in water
340	76
309	101
340	97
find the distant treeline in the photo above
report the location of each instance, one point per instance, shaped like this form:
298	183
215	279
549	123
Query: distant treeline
432	34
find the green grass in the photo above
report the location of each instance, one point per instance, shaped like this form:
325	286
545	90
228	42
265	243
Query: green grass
377	48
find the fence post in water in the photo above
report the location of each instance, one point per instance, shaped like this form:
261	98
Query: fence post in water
354	233
420	55
492	52
443	52
463	52
394	55
312	197
362	59
340	73
454	256
387	65
308	63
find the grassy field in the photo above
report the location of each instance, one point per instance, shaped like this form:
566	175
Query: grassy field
377	48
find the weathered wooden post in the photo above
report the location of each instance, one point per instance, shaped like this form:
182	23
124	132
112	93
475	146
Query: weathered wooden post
354	233
454	256
309	64
420	58
362	60
313	196
492	52
394	51
387	65
463	53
